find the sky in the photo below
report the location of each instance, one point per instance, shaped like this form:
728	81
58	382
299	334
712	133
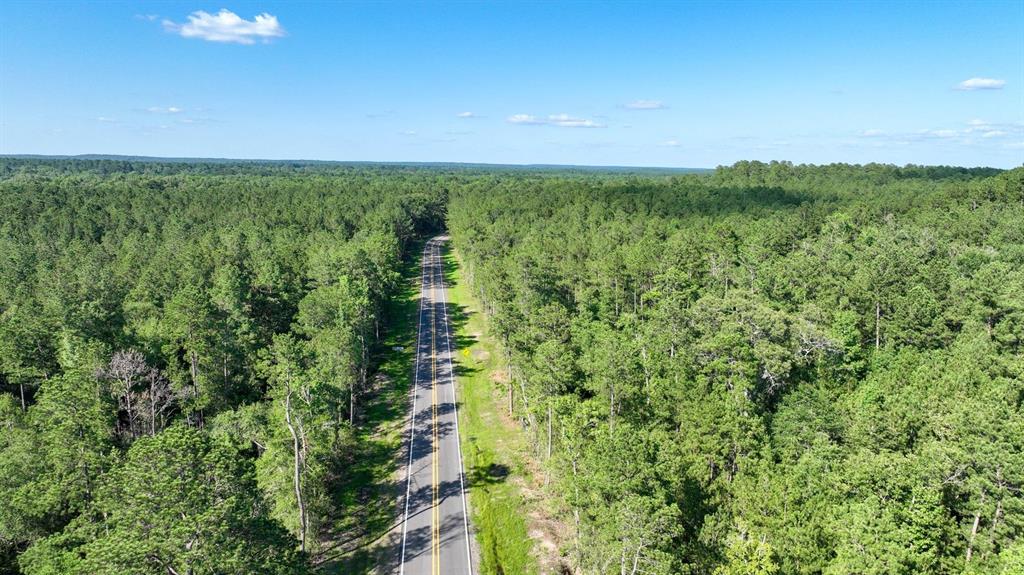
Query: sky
673	84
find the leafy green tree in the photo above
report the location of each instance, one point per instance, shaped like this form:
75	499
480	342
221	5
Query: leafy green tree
189	324
52	458
180	503
301	444
745	556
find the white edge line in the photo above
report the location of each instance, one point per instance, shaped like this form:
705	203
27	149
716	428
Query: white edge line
412	411
455	404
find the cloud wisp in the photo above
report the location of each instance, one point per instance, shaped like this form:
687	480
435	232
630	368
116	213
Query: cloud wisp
526	119
227	27
559	120
164	110
466	115
989	132
646	105
972	84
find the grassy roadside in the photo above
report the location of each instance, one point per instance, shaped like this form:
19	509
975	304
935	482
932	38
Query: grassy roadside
493	447
359	541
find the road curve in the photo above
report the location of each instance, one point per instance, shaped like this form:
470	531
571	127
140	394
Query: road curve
435	522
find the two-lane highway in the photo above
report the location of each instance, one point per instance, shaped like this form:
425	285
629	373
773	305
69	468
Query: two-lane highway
435	529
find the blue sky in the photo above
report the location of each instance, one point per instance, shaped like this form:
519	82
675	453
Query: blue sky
661	84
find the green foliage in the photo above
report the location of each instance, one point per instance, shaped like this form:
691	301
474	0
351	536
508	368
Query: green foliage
180	503
746	557
53	456
792	369
136	296
770	368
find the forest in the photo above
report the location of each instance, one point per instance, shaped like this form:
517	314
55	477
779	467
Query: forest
182	351
766	368
771	369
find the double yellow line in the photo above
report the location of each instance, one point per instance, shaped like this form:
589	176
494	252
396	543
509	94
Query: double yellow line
435	565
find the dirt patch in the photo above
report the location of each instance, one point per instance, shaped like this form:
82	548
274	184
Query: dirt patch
550	533
481	355
500	376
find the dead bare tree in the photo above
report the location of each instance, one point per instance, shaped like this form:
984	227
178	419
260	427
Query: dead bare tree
144	396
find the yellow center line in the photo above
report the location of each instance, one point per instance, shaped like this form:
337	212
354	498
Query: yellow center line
435	565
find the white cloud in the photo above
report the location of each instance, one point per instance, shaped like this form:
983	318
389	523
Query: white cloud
671	143
196	121
149	17
226	26
646	105
975	132
105	119
938	133
981	84
993	130
560	120
466	115
567	121
163	110
409	133
525	119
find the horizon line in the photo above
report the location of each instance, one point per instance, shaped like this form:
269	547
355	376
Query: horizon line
222	159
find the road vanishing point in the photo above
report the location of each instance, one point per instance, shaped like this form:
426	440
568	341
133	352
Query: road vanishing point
435	525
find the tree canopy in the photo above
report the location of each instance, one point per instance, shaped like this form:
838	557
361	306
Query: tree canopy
779	368
769	368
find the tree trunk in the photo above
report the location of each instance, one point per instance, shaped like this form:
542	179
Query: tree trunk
878	323
194	371
152	406
297	478
549	430
611	407
974	529
576	512
364	351
128	408
647	375
526	405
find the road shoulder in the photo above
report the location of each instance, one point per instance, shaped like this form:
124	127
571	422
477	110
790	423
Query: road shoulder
514	533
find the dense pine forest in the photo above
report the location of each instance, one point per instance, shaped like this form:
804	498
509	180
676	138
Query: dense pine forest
182	351
772	369
763	369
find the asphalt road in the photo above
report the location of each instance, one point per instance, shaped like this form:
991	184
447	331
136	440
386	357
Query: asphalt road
435	530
